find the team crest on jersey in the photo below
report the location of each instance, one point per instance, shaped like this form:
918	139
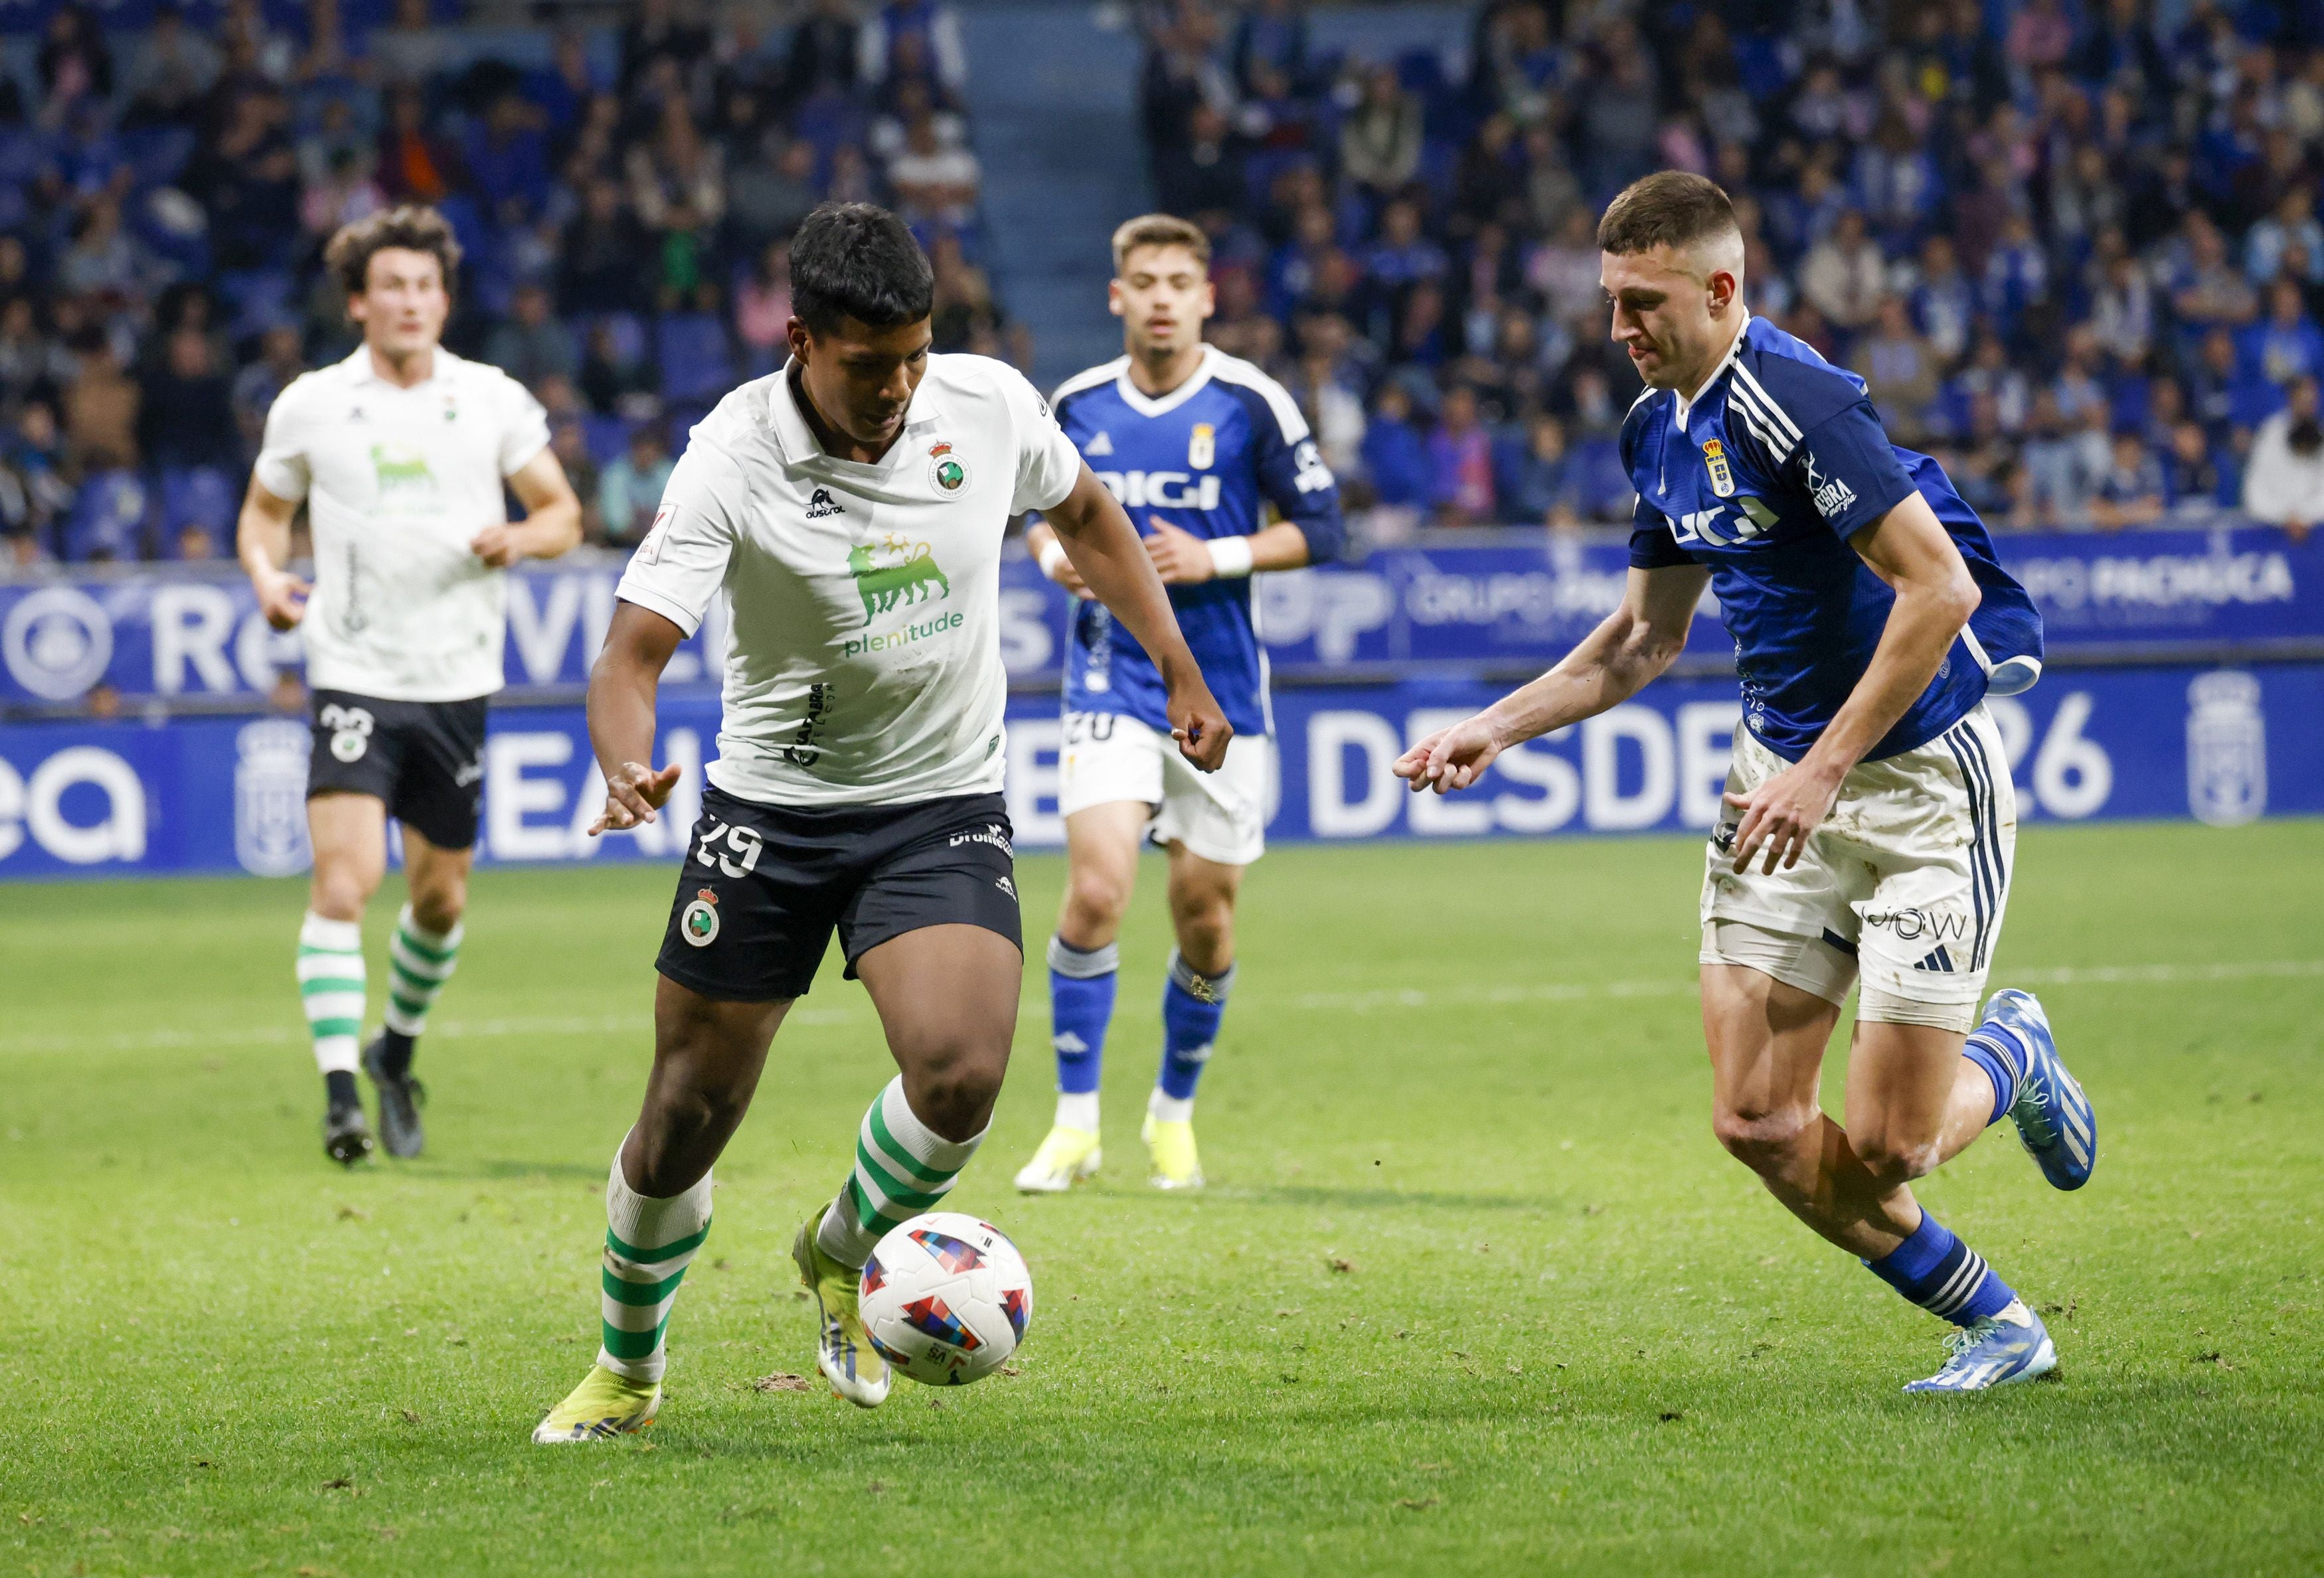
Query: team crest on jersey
947	469
1202	446
700	923
1714	460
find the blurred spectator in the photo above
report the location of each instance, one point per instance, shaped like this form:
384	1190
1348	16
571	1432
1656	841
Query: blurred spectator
1540	483
2194	482
932	183
766	198
2283	485
100	408
762	308
1395	457
1844	275
570	440
2131	491
1460	457
630	490
1380	143
185	414
530	344
1899	368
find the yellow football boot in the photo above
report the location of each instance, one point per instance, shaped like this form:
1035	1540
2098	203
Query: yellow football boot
603	1406
1171	1144
843	1350
1065	1157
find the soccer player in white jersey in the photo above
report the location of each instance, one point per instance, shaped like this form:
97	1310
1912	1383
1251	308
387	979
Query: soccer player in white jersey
1870	823
400	453
1197	445
851	507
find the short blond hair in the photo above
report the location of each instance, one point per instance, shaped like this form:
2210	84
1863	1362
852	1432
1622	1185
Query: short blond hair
1159	230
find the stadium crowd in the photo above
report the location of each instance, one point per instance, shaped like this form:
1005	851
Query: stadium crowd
622	197
2072	245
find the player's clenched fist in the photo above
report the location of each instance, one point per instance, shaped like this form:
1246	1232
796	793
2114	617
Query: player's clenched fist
1452	759
1200	728
633	795
282	598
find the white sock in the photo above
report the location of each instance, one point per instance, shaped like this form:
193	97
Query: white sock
1077	1110
902	1168
1170	1109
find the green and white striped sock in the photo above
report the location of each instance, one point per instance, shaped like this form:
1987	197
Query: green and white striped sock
419	963
902	1168
331	988
649	1244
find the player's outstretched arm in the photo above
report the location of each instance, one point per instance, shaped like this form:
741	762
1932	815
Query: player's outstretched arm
622	684
263	542
552	519
1104	550
1909	549
1630	646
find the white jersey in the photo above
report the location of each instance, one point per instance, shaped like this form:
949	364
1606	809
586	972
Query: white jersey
398	481
863	658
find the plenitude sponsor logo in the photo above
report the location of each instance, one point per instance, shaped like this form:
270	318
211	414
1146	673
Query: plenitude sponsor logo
888	640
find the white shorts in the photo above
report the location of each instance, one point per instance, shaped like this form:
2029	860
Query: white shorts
1902	886
1219	816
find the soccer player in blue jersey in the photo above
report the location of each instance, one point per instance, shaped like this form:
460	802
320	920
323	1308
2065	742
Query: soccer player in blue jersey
1196	444
1870	822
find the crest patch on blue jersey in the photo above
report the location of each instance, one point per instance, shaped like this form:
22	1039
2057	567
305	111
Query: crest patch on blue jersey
1714	460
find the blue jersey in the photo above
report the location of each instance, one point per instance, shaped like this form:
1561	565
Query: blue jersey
1777	464
1207	457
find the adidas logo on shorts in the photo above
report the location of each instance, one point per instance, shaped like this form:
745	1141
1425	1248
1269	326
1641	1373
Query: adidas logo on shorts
1939	960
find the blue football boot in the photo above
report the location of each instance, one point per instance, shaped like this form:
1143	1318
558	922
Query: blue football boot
2054	1116
2011	1346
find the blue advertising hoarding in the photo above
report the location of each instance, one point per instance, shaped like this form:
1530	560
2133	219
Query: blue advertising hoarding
175	635
225	794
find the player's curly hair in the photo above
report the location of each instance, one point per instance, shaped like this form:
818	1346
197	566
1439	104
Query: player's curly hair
854	260
1159	230
1670	207
411	228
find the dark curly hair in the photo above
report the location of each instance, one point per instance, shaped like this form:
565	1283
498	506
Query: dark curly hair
410	228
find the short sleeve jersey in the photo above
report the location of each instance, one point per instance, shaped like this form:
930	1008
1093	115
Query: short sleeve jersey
1208	457
398	481
863	657
1764	477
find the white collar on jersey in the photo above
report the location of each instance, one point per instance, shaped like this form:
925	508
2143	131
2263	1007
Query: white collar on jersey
1146	405
361	369
1742	327
796	439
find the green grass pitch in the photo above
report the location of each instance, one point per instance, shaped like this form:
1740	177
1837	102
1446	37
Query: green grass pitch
1473	1290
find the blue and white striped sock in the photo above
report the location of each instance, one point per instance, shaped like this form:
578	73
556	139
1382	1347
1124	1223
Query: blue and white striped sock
1081	1007
1996	1048
1942	1274
1193	1004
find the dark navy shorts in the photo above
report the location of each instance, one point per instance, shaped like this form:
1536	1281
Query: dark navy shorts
764	886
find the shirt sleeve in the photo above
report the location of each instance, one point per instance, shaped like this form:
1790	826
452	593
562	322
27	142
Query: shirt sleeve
1047	464
1653	545
281	467
1848	470
524	429
1295	479
682	561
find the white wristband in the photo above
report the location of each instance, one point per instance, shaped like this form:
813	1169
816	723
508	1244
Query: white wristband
1053	555
1230	556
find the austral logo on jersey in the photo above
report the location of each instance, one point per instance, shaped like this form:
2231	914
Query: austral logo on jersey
947	469
1714	460
820	505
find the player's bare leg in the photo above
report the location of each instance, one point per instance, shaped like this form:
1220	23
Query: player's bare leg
1203	895
349	835
708	1054
1913	1102
1102	847
947	1000
422	954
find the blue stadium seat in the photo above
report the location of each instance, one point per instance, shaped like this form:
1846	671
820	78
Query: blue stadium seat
258	298
108	520
696	363
606	436
198	495
628	331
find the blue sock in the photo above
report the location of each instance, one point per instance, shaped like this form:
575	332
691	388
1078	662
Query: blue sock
1942	1274
1193	1004
1995	1049
1081	1006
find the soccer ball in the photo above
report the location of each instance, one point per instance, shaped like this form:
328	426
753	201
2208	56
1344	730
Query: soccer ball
946	1299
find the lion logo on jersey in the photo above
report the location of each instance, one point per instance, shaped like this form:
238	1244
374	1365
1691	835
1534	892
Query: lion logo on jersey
910	576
